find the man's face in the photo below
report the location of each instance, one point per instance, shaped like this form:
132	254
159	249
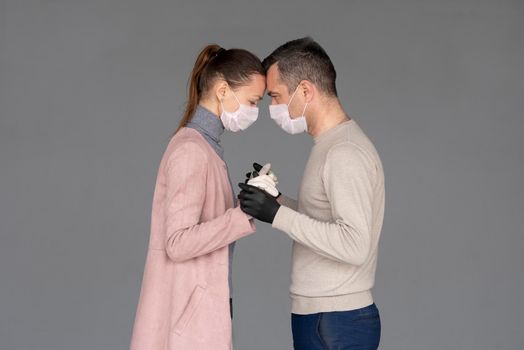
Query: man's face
280	94
275	88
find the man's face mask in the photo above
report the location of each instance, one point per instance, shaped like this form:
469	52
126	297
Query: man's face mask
280	114
240	119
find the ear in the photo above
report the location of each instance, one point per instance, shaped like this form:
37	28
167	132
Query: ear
308	90
220	89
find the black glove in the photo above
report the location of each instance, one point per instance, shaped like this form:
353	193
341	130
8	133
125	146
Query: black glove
257	203
253	174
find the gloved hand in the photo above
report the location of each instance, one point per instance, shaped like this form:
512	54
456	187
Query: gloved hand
257	203
264	179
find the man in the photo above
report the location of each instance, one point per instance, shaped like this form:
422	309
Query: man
336	222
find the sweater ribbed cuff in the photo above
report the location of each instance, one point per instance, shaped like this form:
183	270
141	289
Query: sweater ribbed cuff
284	218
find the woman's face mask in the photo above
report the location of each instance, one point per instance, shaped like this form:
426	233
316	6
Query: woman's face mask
280	114
240	119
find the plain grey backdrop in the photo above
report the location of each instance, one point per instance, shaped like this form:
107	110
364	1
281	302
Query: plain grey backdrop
91	90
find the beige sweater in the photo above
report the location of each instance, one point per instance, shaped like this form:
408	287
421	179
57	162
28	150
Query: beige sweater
336	222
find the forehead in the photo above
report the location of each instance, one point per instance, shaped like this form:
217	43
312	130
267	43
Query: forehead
273	78
259	81
256	84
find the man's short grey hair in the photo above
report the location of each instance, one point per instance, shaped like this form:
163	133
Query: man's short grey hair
303	59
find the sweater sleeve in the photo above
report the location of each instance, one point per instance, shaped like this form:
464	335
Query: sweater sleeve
186	180
348	184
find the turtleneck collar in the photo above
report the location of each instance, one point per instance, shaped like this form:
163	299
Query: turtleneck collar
209	126
207	122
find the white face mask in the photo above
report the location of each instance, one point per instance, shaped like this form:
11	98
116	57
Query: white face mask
240	119
280	114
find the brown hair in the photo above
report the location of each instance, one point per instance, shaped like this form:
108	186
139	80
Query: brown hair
303	59
235	66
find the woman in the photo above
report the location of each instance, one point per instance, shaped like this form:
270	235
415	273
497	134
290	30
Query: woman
185	298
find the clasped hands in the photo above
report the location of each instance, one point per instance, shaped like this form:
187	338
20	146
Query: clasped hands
259	193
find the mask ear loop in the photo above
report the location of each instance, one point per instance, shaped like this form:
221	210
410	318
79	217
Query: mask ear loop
296	89
235	96
304	110
289	102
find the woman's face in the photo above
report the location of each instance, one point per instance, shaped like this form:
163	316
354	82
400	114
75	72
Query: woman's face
249	94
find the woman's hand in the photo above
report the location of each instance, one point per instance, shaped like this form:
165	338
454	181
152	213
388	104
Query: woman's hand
262	177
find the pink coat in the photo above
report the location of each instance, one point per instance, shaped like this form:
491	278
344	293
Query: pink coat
184	298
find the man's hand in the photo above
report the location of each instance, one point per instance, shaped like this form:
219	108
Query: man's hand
257	203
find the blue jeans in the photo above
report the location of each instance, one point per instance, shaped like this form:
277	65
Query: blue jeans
339	330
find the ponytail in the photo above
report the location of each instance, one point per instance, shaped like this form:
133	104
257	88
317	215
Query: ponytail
195	84
234	65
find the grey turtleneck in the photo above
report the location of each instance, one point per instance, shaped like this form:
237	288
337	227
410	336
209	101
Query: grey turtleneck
211	128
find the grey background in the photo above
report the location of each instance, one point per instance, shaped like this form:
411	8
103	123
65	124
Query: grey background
91	90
